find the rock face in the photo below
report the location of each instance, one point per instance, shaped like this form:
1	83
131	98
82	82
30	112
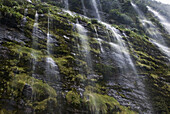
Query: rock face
27	91
62	62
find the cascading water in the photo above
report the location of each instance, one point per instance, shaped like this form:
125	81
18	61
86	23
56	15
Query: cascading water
157	40
34	41
120	47
84	49
29	1
162	48
84	8
127	72
33	53
162	19
151	29
66	4
51	67
96	9
24	20
52	70
84	44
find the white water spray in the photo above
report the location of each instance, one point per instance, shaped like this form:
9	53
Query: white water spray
35	40
123	56
84	43
66	4
162	19
158	40
51	67
96	9
84	8
24	20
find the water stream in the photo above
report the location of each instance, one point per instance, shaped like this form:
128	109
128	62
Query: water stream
161	18
150	28
33	53
24	20
122	55
34	41
52	71
96	9
66	4
84	50
156	36
128	76
84	8
84	46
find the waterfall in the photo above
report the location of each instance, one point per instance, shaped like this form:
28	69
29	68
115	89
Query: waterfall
127	71
84	49
161	18
29	1
84	44
66	4
162	48
33	53
52	71
35	40
151	29
96	9
48	36
24	20
157	38
123	57
84	9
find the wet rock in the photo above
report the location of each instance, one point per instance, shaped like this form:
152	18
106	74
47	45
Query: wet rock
27	91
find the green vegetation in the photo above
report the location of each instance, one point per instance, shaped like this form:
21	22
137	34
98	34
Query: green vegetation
80	88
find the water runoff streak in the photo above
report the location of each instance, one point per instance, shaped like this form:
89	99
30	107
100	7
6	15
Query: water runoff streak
34	41
84	50
157	38
66	4
24	20
84	46
33	53
51	67
96	9
121	48
128	73
84	8
161	18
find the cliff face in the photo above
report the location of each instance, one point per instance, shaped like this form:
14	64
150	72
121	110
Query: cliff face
53	60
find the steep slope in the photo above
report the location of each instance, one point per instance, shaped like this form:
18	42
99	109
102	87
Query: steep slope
55	61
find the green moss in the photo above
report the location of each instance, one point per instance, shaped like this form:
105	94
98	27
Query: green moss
73	98
79	78
42	91
4	111
154	76
96	51
144	66
104	104
39	88
63	63
147	57
23	50
43	105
